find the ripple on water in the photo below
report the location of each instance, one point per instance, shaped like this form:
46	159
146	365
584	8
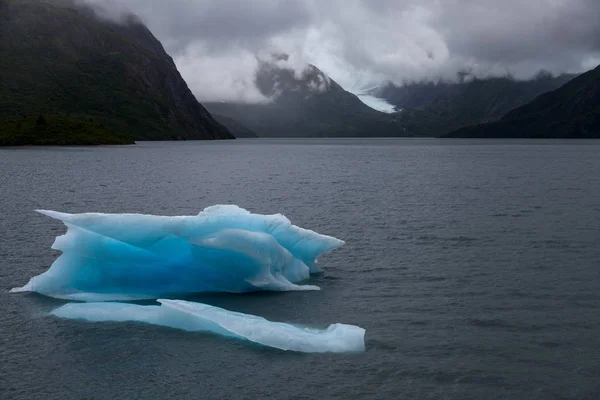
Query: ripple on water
460	299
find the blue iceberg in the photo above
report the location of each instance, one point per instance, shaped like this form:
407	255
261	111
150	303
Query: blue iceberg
188	316
112	257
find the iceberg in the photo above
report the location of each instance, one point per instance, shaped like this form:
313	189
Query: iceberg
116	257
198	317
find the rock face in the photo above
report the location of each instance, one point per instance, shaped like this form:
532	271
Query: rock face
306	104
59	58
434	109
572	111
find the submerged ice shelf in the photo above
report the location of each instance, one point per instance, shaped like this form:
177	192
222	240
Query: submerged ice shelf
189	316
222	249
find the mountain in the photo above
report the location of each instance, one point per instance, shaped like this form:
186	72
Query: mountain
572	111
67	63
306	104
432	109
236	128
413	95
310	104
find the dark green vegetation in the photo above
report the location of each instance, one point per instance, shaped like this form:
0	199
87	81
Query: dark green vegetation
311	105
57	130
572	111
431	109
58	59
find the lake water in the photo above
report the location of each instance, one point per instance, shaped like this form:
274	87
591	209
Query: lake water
474	266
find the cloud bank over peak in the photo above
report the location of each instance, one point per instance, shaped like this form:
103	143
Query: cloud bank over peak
217	44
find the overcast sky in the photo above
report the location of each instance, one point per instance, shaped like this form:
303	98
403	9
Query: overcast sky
360	43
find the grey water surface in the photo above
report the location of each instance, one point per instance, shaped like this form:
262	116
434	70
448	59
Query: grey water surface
473	265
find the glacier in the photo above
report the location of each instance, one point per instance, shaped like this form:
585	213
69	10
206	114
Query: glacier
225	248
190	316
376	103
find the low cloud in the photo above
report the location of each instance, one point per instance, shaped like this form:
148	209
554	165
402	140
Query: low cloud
360	43
223	76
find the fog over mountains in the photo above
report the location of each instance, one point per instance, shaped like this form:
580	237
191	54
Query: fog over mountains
361	43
